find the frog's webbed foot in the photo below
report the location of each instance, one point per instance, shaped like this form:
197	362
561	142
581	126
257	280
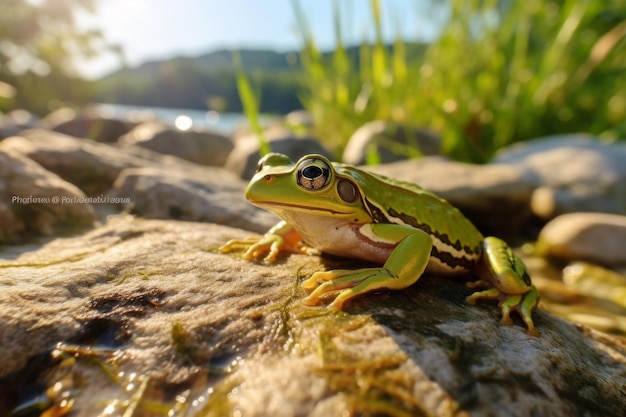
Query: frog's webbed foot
524	304
403	267
350	283
268	247
280	238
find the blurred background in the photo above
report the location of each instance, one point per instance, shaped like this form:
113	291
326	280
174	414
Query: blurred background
483	74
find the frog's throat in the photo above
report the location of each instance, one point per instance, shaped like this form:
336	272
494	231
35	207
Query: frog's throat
301	207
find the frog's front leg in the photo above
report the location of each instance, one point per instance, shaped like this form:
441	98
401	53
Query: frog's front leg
404	266
280	238
511	283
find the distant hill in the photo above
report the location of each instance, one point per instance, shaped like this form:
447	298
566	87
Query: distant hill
208	81
251	59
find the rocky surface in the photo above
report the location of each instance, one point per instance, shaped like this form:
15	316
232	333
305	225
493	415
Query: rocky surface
89	125
390	142
14	121
198	146
36	201
145	317
573	173
595	237
177	326
91	166
206	195
245	156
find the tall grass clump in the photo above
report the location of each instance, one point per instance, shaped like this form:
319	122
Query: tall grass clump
499	72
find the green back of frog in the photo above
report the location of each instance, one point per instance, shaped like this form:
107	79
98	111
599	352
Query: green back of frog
393	201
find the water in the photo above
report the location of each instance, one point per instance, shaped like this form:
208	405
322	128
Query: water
183	119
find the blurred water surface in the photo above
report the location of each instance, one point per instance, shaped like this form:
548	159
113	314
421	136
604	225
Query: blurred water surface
183	119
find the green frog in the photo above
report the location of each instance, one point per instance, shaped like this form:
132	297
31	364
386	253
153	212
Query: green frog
346	211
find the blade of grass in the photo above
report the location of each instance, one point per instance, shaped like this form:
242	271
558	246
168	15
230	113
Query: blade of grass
250	103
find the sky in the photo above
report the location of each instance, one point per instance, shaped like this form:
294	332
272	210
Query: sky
157	29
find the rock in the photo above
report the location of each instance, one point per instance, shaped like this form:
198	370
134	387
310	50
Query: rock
574	173
245	157
147	312
34	201
14	121
88	124
300	118
595	237
391	141
199	146
89	165
495	197
210	195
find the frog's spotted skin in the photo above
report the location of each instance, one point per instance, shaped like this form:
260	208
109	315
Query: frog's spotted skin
345	211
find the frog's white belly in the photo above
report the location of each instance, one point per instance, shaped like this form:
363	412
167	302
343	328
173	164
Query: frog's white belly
337	237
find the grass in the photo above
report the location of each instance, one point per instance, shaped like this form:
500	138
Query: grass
499	73
250	104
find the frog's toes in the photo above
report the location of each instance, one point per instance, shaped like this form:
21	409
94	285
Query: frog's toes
310	283
337	303
524	304
310	301
490	294
478	284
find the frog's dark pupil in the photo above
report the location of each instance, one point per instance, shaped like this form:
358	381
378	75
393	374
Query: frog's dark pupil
312	172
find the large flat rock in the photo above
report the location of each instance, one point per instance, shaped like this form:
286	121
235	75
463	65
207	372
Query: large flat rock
143	317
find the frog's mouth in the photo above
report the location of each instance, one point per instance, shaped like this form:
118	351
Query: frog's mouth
301	207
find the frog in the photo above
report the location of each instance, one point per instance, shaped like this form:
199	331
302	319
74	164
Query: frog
402	229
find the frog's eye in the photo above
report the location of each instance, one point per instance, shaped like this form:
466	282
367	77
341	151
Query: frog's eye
313	174
347	191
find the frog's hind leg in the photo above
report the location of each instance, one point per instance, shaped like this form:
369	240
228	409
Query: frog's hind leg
404	266
510	283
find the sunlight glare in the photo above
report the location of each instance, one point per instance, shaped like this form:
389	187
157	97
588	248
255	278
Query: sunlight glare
183	122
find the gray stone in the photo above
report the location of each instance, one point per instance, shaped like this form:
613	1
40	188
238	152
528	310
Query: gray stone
14	121
245	157
34	201
87	124
300	118
91	166
148	313
596	237
207	195
391	142
495	197
199	146
573	173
